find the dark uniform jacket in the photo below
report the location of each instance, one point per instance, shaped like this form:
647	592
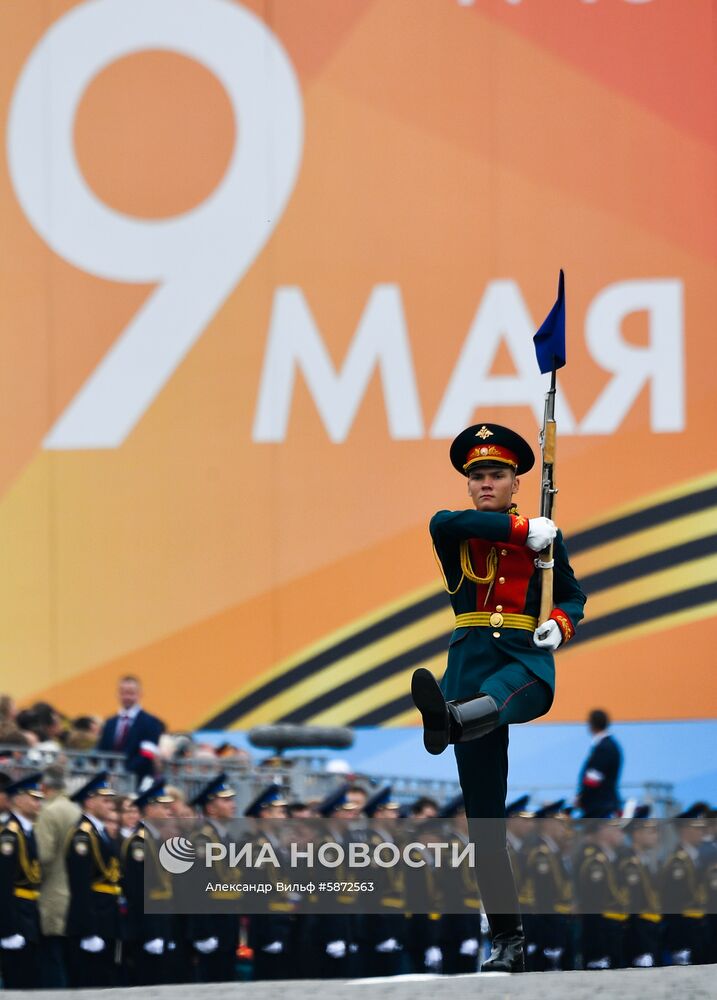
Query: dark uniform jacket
139	862
93	875
643	904
548	887
493	545
20	878
603	904
597	785
223	926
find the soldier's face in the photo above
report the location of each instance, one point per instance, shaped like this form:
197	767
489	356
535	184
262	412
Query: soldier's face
224	808
27	805
492	489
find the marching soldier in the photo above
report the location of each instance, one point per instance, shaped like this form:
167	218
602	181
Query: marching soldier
383	934
638	880
149	935
20	878
708	857
214	936
682	891
602	902
500	661
519	827
270	933
338	934
549	891
93	875
459	932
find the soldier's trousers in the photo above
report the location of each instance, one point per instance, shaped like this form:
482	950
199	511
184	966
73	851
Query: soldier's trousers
483	775
19	968
483	763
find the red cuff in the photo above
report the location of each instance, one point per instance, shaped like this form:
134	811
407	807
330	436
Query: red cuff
518	529
566	626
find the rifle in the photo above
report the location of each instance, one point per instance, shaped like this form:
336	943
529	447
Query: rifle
548	442
550	352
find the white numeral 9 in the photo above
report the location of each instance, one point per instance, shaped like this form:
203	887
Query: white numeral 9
197	257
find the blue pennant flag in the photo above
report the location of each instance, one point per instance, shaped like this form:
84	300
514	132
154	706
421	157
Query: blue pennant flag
550	339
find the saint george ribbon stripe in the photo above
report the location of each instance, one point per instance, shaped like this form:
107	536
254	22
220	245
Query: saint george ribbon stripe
684	514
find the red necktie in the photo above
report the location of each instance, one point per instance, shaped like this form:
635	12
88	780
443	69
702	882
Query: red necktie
121	731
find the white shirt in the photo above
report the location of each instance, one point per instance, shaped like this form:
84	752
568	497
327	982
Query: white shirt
26	824
98	825
130	713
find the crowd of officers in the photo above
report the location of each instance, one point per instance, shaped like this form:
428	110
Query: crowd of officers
72	893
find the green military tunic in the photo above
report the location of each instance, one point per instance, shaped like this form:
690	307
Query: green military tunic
490	574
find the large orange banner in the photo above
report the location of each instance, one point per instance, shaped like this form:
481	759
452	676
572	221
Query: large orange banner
261	261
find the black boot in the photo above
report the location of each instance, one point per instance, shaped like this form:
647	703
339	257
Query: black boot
447	722
507	940
472	718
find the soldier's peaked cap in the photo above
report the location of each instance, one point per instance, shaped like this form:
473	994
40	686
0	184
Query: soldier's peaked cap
518	807
99	785
491	444
155	793
453	807
217	788
698	810
337	799
551	809
271	796
29	785
380	800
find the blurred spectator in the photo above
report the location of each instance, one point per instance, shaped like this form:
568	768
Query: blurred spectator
26	722
10	732
57	817
133	732
424	808
83	733
598	794
5	780
48	725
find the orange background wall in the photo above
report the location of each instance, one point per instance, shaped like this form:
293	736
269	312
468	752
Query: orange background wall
445	147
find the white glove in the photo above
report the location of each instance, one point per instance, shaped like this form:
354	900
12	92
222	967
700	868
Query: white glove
13	943
207	945
469	947
548	635
553	955
387	946
336	949
433	959
599	963
275	948
645	961
541	532
92	944
683	957
155	946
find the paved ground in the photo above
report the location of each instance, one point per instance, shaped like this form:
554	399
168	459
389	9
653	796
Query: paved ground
632	984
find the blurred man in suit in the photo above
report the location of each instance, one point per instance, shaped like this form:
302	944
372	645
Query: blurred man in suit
133	732
598	794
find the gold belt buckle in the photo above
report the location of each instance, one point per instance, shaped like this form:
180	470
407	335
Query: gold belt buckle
496	619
